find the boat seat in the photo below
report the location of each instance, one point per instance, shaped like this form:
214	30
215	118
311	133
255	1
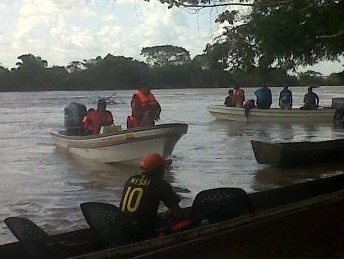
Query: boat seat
34	239
110	129
220	204
107	221
40	244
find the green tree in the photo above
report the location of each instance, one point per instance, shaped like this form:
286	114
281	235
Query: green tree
75	66
4	79
280	33
29	74
166	55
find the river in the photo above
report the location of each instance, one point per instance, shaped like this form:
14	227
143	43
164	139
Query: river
47	186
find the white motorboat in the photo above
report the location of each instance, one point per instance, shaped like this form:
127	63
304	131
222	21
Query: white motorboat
321	115
124	145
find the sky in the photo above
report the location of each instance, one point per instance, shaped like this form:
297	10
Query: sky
62	31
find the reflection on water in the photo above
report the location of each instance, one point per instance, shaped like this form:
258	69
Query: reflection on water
47	186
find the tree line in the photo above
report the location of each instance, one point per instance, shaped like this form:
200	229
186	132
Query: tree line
165	67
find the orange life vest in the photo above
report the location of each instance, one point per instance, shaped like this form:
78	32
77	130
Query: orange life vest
238	96
147	103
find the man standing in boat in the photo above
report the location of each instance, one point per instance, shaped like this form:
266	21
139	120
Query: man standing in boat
285	98
264	97
144	107
142	195
238	97
311	100
96	119
229	99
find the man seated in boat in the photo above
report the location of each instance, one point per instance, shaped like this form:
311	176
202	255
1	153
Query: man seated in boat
264	97
144	107
142	195
311	100
286	98
229	99
98	118
238	97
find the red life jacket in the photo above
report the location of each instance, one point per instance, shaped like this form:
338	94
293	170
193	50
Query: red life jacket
238	96
95	120
146	103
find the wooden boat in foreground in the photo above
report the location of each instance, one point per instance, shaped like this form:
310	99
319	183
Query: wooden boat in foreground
302	220
125	145
321	115
298	153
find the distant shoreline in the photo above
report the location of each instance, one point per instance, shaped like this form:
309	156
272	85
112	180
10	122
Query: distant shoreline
163	88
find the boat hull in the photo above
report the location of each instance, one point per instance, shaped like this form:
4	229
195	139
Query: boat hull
222	112
127	146
298	153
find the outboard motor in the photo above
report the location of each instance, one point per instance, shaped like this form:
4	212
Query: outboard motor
73	115
338	104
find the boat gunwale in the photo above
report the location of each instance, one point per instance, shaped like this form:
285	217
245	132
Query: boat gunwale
285	144
270	110
182	126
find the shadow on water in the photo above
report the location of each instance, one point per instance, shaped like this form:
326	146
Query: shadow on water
274	177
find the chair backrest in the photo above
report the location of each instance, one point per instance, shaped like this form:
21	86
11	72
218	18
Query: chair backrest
220	204
106	219
32	237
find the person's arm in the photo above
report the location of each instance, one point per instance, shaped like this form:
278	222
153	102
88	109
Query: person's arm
175	212
109	118
270	97
171	201
158	111
87	122
317	99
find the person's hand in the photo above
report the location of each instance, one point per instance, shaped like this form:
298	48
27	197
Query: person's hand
156	116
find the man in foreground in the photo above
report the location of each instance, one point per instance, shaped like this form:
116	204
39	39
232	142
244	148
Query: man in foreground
142	195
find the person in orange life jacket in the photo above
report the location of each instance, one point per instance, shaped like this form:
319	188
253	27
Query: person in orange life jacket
89	129
96	119
144	107
142	195
229	99
238	97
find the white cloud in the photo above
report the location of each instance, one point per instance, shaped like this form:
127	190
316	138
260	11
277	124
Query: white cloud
61	31
3	8
109	18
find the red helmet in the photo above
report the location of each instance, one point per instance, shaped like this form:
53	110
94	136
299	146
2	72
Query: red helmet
154	161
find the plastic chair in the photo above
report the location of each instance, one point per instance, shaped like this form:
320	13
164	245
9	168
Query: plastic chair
106	220
220	204
39	244
35	240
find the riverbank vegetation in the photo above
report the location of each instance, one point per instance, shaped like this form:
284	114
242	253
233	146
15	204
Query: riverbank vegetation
119	73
